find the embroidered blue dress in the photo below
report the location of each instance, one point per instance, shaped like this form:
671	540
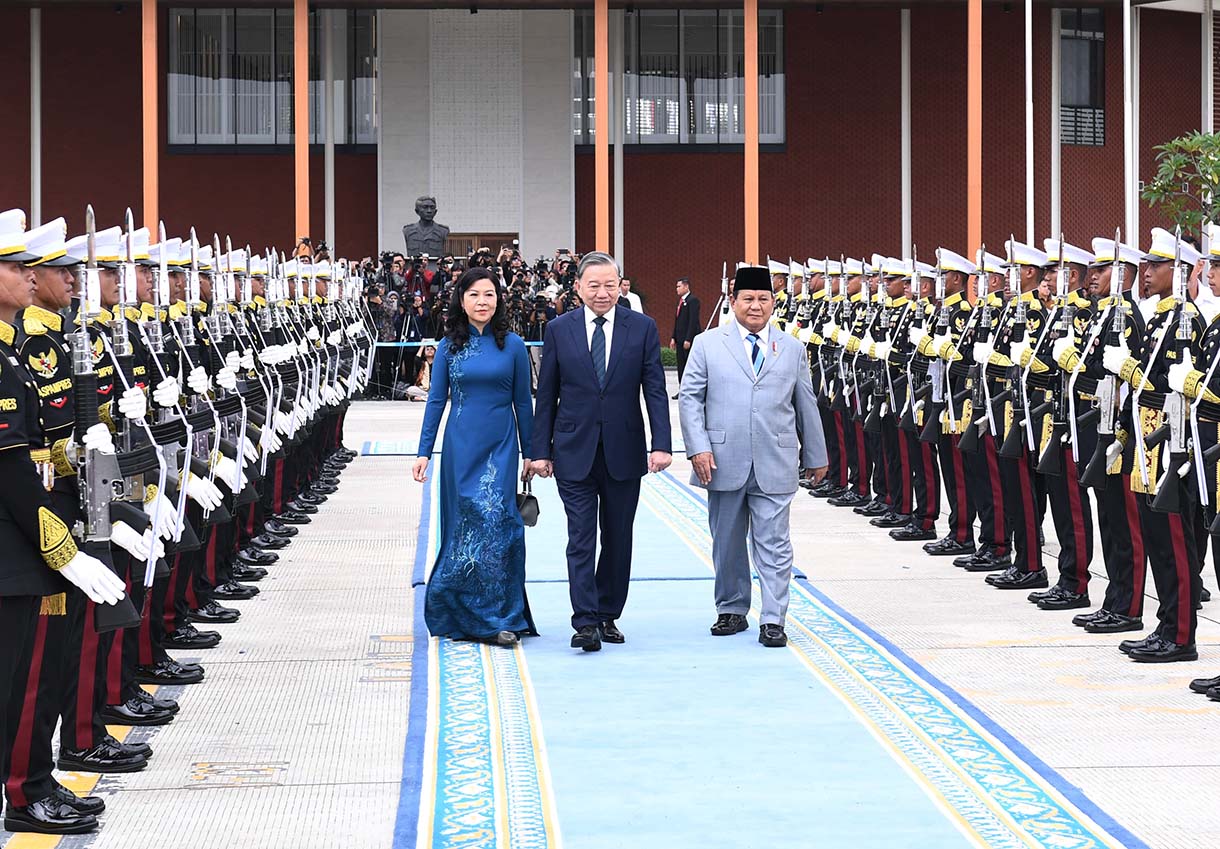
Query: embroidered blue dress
477	586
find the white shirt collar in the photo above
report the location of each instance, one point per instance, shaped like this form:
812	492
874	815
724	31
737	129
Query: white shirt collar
590	315
763	335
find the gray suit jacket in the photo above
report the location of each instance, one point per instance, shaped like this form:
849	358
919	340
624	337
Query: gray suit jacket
771	424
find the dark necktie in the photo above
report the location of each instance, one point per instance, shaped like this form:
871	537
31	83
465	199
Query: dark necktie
756	354
598	350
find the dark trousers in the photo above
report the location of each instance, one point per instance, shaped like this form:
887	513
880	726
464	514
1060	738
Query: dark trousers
1173	553
957	491
898	461
599	592
832	428
682	353
925	480
1024	509
33	711
81	727
987	495
18	629
1073	517
860	463
1122	546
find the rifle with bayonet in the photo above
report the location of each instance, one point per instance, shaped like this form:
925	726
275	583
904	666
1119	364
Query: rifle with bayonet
1106	407
1051	461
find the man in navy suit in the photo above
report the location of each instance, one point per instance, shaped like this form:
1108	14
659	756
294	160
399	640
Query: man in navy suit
589	433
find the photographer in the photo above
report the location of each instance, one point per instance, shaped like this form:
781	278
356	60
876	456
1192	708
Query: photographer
383	307
412	325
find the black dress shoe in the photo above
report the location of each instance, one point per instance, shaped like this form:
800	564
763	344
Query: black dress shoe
988	561
133	712
830	492
162	704
873	509
324	488
168	672
1065	600
308	498
92	805
257	557
588	638
102	758
1126	646
1202	685
1163	651
192	639
912	533
292	517
51	815
303	507
269	542
1015	580
1205	594
891	520
948	547
275	526
213	612
1214	694
241	572
729	623
772	636
142	750
611	633
1082	619
848	499
860	508
231	590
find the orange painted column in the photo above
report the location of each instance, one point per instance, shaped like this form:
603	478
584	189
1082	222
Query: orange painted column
148	116
601	122
300	110
974	128
751	132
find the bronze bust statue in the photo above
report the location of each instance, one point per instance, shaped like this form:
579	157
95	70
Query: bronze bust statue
425	236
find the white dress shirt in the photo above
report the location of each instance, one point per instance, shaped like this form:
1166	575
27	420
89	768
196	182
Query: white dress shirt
607	328
764	336
634	300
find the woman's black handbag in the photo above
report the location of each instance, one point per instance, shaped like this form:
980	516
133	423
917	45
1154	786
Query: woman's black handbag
527	504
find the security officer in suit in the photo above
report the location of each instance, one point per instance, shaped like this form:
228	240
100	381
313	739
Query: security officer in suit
686	324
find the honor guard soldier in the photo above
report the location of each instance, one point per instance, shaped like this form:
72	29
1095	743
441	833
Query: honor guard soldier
1165	469
833	308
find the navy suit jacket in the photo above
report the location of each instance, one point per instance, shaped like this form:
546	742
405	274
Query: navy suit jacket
573	414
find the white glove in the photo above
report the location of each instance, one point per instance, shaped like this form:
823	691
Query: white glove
203	492
829	329
97	438
270	355
354	329
226	378
233	360
916	335
167	392
226	472
273	442
167	517
312	334
982	352
1113	452
198	381
1178	372
130	540
1059	347
1113	357
1018	349
882	351
283	423
133	404
301	348
94	578
940	341
335	338
248	449
247	360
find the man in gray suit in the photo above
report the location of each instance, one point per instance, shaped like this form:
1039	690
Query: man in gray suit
750	420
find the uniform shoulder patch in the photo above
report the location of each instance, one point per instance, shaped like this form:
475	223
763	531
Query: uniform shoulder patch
54	541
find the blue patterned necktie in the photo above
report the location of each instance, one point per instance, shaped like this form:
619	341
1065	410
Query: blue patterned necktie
756	354
598	350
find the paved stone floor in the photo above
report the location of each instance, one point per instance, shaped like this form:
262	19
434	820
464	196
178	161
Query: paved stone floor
297	737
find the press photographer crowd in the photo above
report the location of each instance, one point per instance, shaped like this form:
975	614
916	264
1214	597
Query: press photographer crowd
408	298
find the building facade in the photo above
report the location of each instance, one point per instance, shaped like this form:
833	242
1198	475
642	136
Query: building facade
492	113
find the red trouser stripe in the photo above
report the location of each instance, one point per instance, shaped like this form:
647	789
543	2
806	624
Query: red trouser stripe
1031	517
932	487
962	531
277	499
999	533
904	462
19	769
210	557
86	682
1181	569
842	449
1139	558
1082	552
862	454
885	474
